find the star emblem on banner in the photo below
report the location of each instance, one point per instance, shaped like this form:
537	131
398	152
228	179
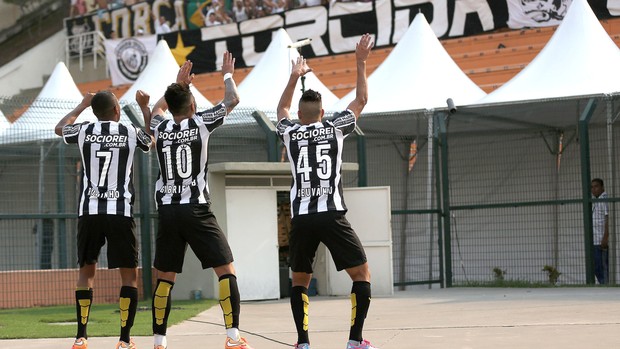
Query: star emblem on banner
180	51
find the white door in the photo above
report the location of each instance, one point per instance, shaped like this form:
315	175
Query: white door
370	216
252	227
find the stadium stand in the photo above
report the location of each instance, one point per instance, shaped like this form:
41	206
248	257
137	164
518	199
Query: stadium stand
489	60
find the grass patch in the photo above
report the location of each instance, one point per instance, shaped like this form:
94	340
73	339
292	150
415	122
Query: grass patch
59	321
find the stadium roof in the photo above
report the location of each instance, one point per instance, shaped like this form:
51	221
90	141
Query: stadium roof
159	73
579	59
263	86
418	74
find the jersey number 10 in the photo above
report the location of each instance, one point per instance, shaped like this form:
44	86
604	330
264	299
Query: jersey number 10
183	155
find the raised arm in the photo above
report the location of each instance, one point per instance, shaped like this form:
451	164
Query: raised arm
72	115
300	68
143	98
231	96
362	50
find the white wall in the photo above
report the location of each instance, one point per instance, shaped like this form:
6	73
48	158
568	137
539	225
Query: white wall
27	71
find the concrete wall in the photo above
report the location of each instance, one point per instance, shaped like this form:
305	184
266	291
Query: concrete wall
29	288
27	71
9	14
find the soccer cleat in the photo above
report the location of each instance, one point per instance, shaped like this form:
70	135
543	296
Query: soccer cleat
123	345
302	346
360	345
80	343
240	344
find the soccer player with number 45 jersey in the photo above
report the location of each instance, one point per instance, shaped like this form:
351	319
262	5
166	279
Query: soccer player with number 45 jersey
182	197
106	201
314	148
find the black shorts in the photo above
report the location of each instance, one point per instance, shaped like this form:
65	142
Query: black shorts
119	231
332	229
193	224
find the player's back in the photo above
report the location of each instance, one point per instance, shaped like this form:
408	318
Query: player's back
182	152
316	152
107	149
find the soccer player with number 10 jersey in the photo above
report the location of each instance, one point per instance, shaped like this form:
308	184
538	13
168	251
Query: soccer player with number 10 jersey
182	197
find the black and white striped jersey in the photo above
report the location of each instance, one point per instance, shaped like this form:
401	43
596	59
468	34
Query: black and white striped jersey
182	154
107	150
315	154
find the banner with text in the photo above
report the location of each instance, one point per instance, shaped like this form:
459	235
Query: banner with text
333	29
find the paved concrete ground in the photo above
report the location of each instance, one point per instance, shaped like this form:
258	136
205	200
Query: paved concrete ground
458	318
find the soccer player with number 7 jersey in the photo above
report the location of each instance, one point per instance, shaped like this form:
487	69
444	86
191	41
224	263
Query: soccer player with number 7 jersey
106	204
314	147
182	197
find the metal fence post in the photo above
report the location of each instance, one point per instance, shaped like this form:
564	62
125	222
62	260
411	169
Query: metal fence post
145	212
145	224
270	134
445	202
584	144
60	201
362	172
438	183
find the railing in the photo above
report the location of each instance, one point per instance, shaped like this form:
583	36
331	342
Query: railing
85	45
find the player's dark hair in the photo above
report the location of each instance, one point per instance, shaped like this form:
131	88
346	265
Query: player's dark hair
310	96
599	181
103	104
179	98
310	105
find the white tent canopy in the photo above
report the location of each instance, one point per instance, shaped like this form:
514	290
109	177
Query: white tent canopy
59	96
263	86
418	74
579	59
159	73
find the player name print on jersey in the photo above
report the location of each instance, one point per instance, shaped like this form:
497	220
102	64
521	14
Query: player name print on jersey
318	191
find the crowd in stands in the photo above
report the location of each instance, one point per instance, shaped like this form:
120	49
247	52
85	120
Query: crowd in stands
81	7
213	12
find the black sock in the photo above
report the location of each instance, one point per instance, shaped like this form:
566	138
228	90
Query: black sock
230	301
360	302
299	306
83	301
161	306
128	304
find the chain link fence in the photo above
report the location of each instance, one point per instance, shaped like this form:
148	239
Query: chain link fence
516	190
500	197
